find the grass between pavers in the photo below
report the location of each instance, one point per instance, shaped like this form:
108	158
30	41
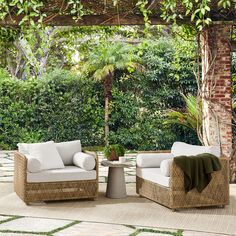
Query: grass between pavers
10	218
64	227
52	232
49	233
178	233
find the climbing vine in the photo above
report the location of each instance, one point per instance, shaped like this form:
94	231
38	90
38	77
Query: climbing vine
196	11
29	9
77	9
142	4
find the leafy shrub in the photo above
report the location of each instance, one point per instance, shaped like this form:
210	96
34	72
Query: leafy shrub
118	150
59	107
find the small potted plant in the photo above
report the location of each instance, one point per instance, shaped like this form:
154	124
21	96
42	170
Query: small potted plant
113	152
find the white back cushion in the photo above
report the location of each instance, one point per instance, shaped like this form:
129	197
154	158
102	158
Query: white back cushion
84	161
67	150
181	148
24	147
165	167
47	154
151	160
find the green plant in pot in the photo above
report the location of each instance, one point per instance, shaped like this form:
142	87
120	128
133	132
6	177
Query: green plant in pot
113	152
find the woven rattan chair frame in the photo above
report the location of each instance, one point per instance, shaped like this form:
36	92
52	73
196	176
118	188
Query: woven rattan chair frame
174	197
51	191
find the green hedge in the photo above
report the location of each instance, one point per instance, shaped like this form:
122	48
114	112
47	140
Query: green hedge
60	107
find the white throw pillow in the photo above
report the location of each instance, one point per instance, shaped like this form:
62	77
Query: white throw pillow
47	154
24	147
67	150
33	164
165	167
84	161
180	148
151	160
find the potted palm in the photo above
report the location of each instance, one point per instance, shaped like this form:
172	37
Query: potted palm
113	152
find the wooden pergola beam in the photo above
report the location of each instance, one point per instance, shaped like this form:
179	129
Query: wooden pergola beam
102	20
58	13
89	20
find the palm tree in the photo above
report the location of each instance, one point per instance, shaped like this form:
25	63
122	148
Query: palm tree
192	116
103	61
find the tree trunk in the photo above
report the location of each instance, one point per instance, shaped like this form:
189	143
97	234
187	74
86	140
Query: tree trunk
106	120
108	80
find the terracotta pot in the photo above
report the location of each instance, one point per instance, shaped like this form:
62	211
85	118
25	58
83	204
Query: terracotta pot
113	156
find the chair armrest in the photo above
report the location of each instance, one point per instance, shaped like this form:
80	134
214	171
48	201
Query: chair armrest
220	179
20	173
152	159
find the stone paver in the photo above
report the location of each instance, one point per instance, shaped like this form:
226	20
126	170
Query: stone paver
192	233
10	164
7	168
5	160
31	224
3	155
102	179
6	173
6	179
130	179
98	229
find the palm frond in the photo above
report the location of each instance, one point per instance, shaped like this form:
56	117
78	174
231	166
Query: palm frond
191	118
110	57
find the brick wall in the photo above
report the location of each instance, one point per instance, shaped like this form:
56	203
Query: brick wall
216	89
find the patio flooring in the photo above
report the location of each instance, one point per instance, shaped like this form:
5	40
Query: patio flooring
25	225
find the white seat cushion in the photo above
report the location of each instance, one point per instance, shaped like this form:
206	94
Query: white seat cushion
180	148
67	150
69	173
84	161
154	175
152	160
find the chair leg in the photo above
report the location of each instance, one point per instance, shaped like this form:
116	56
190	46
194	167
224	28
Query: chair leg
174	210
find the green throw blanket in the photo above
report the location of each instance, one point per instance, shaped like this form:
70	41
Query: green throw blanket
197	170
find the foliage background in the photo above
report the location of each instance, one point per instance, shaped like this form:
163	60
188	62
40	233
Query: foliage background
64	105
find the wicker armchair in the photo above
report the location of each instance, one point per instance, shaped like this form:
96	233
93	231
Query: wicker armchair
174	196
51	191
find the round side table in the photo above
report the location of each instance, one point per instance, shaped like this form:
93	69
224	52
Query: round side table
116	187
